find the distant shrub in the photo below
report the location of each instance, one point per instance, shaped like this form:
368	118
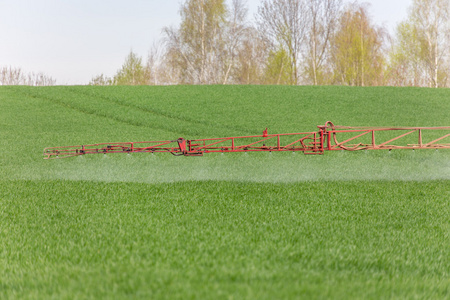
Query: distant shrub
16	76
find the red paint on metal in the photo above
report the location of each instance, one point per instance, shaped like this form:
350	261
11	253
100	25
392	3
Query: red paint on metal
327	138
182	145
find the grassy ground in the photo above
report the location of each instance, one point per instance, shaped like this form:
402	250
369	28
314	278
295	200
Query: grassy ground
69	239
343	225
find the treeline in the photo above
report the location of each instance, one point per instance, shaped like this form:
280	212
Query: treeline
16	76
292	42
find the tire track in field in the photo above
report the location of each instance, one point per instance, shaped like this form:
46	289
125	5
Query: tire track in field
79	109
236	130
165	119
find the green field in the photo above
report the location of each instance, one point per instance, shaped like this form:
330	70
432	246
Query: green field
342	225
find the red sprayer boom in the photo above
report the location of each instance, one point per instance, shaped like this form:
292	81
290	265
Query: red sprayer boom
328	138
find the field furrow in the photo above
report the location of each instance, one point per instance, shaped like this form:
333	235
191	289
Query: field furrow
343	225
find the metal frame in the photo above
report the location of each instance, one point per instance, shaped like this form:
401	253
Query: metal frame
331	132
326	139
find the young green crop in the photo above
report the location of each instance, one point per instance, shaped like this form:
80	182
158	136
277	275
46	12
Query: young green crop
256	226
34	118
69	239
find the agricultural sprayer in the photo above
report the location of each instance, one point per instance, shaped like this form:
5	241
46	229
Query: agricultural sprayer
329	137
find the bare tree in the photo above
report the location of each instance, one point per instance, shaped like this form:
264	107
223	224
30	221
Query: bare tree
322	20
420	55
179	66
235	33
251	58
195	48
283	23
39	79
11	76
101	80
153	68
15	76
431	23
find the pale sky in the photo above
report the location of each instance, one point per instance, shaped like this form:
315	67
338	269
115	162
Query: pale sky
75	40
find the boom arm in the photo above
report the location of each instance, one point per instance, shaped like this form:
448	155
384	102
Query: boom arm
328	138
